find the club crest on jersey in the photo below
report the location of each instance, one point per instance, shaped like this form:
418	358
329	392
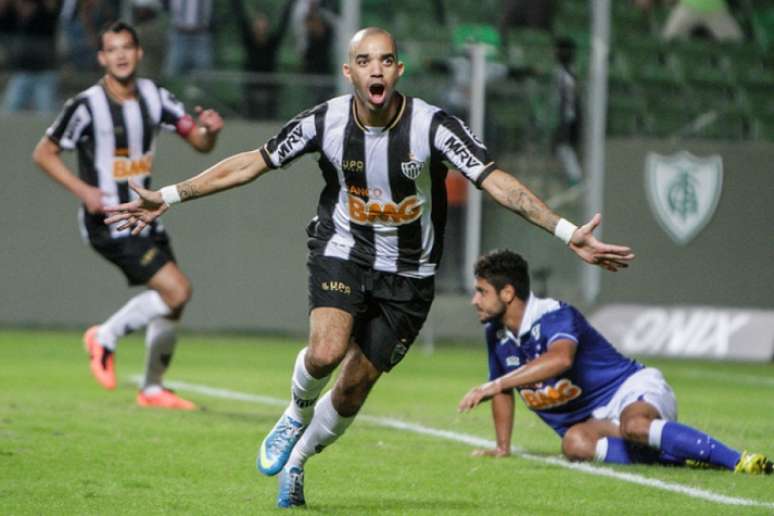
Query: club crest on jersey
412	168
551	396
513	361
535	331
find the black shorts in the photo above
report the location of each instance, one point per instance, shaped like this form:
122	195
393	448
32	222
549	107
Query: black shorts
138	257
389	309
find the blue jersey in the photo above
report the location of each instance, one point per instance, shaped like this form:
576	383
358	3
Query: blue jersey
597	371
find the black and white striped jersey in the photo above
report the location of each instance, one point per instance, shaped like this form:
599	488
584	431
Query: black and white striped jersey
116	142
384	201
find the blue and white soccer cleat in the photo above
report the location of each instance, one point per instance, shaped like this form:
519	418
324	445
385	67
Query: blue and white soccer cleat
276	447
291	488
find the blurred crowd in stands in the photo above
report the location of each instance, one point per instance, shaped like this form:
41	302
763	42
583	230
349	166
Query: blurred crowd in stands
49	44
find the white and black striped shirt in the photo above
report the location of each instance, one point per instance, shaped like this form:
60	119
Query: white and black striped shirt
116	142
384	201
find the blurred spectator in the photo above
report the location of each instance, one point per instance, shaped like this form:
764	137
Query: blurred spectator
31	27
710	15
536	14
190	36
151	27
566	107
314	23
261	48
81	22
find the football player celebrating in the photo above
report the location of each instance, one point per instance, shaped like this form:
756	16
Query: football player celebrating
605	406
375	243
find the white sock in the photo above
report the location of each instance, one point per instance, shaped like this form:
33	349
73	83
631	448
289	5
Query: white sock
327	426
601	450
160	341
135	314
304	391
654	432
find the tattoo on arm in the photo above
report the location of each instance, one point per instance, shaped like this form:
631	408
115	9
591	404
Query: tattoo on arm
187	190
524	202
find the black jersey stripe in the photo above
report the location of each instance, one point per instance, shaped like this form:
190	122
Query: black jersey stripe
438	173
147	124
353	161
403	186
122	143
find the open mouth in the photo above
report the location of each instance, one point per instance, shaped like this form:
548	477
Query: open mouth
376	94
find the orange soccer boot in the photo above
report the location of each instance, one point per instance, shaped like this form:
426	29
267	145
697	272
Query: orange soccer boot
102	359
164	399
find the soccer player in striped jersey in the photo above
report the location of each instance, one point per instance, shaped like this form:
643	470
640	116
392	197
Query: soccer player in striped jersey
604	406
375	243
113	125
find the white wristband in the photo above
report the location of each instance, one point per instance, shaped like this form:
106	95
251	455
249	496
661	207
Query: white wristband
170	195
564	230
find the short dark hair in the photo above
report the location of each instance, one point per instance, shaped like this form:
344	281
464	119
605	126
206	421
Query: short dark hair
116	27
503	267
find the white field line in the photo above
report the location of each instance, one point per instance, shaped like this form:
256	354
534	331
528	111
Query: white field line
486	443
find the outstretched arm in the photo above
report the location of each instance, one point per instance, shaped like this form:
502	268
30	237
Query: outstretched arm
558	359
512	194
235	171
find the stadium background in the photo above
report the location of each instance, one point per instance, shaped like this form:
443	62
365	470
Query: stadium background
245	250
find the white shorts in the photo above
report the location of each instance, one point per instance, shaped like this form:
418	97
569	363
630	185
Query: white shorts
646	385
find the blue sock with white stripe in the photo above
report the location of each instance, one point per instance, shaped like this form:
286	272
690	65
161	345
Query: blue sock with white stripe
686	443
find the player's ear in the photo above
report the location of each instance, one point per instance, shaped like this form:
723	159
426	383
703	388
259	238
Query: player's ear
507	293
401	68
347	71
140	53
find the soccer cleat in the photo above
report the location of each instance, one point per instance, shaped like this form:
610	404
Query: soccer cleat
102	360
291	488
164	399
754	464
276	447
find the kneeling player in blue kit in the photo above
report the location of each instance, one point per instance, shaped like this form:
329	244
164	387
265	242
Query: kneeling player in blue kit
605	406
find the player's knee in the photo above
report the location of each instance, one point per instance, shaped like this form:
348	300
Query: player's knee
179	295
635	429
577	446
321	360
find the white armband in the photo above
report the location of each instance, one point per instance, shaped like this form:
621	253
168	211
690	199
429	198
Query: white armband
170	195
564	230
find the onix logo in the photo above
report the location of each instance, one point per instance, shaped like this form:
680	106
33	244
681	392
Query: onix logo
551	396
388	213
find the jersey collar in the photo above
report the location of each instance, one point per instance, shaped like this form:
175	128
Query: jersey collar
536	308
387	127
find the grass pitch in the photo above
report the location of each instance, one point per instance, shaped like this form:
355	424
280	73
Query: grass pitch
69	447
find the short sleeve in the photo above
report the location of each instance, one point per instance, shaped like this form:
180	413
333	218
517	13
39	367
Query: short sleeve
70	125
460	148
560	325
172	110
296	138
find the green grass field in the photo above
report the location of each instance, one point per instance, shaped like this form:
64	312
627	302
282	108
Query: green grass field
69	447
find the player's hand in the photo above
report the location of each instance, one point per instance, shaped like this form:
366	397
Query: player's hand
591	250
475	396
497	453
209	119
92	200
138	213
